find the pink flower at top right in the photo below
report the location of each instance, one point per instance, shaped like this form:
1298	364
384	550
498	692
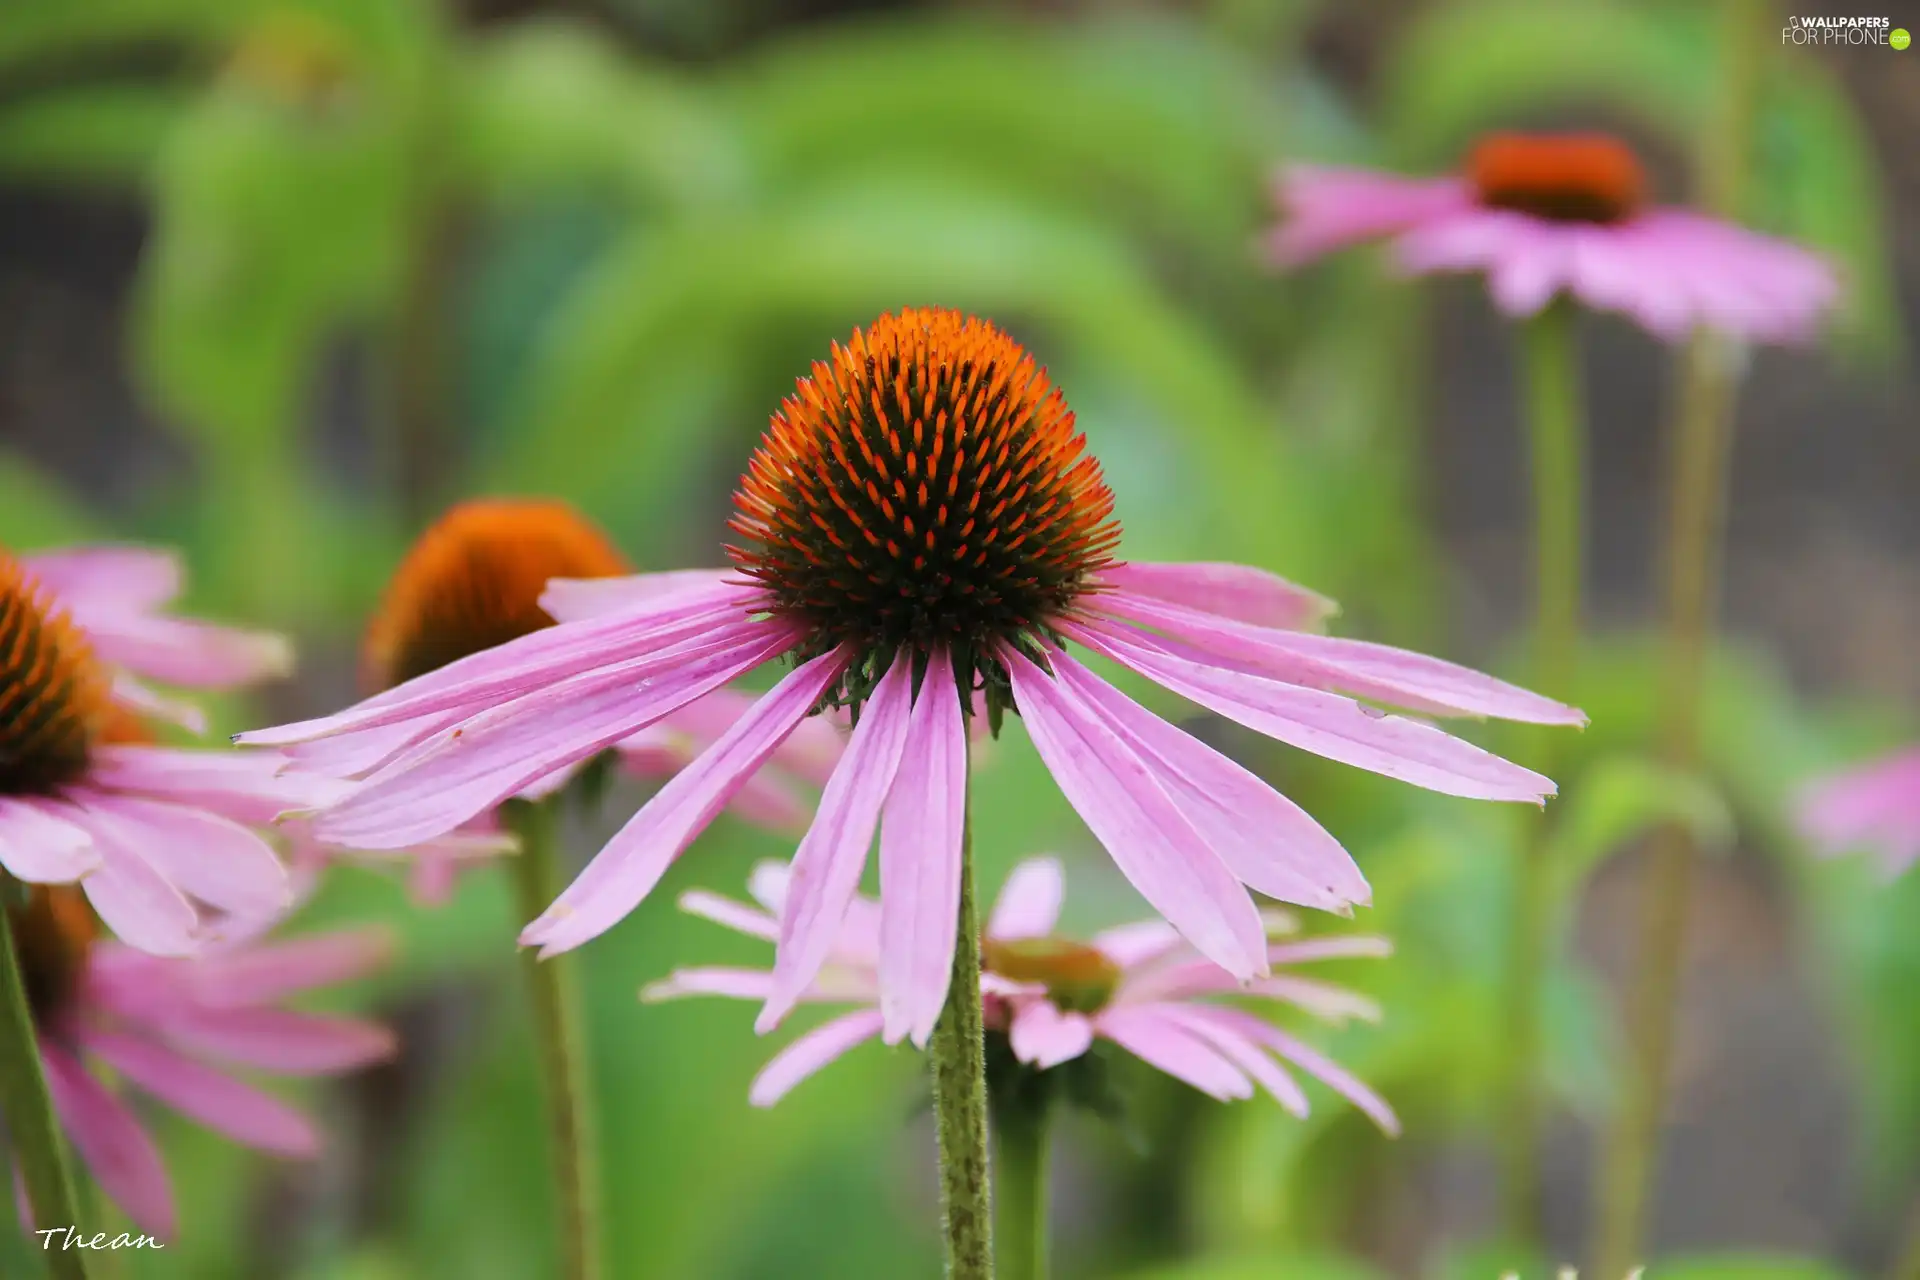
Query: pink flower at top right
1545	215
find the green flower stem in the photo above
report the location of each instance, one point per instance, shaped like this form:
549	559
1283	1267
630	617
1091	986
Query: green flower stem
28	1109
1696	526
1022	1147
1558	434
959	1063
560	1037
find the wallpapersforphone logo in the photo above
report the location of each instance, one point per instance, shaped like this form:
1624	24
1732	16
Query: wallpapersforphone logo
1827	31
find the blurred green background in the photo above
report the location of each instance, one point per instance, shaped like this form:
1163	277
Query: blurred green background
280	280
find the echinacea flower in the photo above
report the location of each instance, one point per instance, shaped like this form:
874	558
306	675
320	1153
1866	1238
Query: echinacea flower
921	523
170	1029
1873	806
473	581
85	797
1138	986
1545	215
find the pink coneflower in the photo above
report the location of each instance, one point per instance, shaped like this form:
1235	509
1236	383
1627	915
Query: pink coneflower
1543	215
1139	986
161	1026
114	595
920	523
1874	806
85	797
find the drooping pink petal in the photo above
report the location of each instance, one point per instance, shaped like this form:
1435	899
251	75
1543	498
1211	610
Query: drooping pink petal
828	864
151	704
1128	945
1122	801
127	579
132	898
267	972
1396	676
767	882
921	831
247	786
1236	591
1042	1036
626	870
118	1152
218	861
1163	1043
710	980
725	911
811	1052
1324	209
572	599
1323	1000
1265	839
354	754
1029	902
276	1040
41	847
1314	1063
1241	1052
223	1104
1873	805
1326	724
181	651
523	665
459	773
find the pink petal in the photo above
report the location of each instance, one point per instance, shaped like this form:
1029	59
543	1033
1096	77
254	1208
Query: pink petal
127	579
1029	902
738	984
179	651
247	786
1241	1052
810	752
1314	1063
1044	1037
920	859
1377	671
133	899
1128	945
734	915
811	1052
277	1040
150	704
528	664
571	599
1265	840
217	861
116	1149
1121	800
1323	723
767	882
1876	804
1324	209
1164	1044
1323	1000
1235	591
463	771
41	847
269	972
634	860
828	864
220	1102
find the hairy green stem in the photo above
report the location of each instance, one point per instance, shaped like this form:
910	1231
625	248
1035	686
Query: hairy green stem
1557	431
959	1063
1702	447
1022	1148
31	1125
560	1038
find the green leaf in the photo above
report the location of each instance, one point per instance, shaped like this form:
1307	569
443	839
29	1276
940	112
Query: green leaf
1295	1266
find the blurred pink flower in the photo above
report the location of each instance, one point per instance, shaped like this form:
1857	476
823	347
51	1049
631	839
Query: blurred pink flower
1543	215
975	602
85	797
1139	986
1874	806
168	1028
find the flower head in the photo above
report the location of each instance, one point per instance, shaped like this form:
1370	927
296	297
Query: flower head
84	794
1874	806
168	1028
974	543
1543	215
1139	986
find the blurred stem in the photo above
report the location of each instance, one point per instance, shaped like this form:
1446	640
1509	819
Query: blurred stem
1558	437
959	1061
1022	1145
423	452
1696	527
31	1126
560	1038
1906	1264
